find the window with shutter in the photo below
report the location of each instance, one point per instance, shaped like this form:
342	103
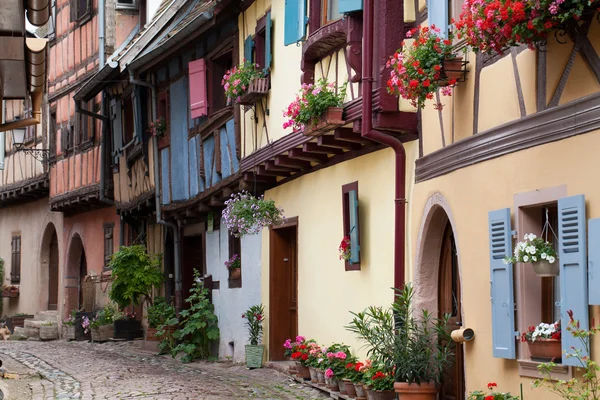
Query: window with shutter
249	50
294	22
437	14
351	224
53	132
79	9
15	268
163	112
268	43
128	123
502	290
330	11
573	270
108	244
198	89
594	261
262	43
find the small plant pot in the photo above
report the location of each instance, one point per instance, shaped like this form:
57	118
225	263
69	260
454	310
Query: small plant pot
342	386
321	377
543	268
454	68
257	89
360	391
254	355
49	332
333	385
151	335
349	388
302	371
413	391
68	332
545	350
95	335
106	332
313	374
331	119
385	395
235	273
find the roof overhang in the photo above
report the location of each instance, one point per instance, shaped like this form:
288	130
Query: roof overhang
97	82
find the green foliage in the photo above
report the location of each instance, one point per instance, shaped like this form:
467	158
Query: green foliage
160	312
199	325
107	316
254	317
135	273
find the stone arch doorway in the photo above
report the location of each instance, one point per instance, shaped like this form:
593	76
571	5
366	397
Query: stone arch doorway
438	283
50	266
76	272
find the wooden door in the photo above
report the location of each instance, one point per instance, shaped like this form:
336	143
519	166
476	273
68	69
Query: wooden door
283	290
449	302
53	274
82	275
192	259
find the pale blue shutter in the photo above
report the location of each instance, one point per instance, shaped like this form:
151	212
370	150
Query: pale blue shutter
354	228
573	271
502	291
437	14
268	49
347	6
295	21
248	47
594	261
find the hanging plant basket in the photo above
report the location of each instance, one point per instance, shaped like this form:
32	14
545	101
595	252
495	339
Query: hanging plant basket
11	292
245	214
257	90
454	69
545	269
331	119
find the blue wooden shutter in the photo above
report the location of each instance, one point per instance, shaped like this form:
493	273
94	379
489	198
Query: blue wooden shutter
248	47
573	270
295	21
594	261
347	6
354	227
437	14
268	48
502	291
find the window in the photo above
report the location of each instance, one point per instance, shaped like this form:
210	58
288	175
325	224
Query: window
80	9
163	112
30	133
330	11
15	263
108	243
52	21
262	43
351	224
85	130
217	68
53	132
66	137
128	125
126	4
438	12
116	128
235	247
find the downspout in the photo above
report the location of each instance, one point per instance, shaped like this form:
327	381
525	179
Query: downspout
386	139
101	55
159	220
2	149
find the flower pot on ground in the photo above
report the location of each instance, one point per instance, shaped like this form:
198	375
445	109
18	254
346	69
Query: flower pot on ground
82	325
342	386
159	312
128	328
254	318
414	391
254	355
68	332
313	374
537	251
245	83
360	391
316	109
245	214
321	377
349	388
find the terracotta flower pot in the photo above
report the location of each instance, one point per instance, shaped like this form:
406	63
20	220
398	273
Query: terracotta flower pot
342	386
298	367
349	388
235	273
453	68
545	350
544	268
413	391
333	385
302	371
360	391
313	374
321	377
151	334
331	119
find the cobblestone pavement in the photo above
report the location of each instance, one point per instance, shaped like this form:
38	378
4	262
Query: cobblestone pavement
121	370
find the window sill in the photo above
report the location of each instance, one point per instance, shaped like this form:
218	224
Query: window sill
528	368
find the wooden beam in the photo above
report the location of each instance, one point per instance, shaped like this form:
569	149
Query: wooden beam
203	208
270	166
315	148
227	192
332	142
347	135
285	161
190	212
215	202
300	154
250	178
263	171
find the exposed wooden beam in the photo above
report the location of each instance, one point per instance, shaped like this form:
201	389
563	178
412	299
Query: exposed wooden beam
190	212
315	148
300	154
347	135
263	171
270	166
215	202
251	178
203	208
227	192
285	161
332	142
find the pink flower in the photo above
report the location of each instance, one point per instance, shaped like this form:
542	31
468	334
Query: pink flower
300	339
288	344
329	373
341	355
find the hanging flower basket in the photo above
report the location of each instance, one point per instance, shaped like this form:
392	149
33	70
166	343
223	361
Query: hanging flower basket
10	291
245	214
537	251
331	119
245	83
454	69
257	90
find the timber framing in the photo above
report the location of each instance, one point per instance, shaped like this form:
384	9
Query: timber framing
78	201
24	191
561	122
143	205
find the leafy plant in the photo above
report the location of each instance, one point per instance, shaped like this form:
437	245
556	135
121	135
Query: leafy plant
199	324
236	80
254	317
165	333
479	395
375	327
377	379
233	263
107	316
159	312
245	214
71	320
158	127
135	273
542	331
313	101
531	250
587	387
345	249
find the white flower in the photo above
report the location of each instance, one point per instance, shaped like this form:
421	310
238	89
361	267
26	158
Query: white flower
531	237
533	258
505	261
544	255
551	260
526	236
523	245
531	249
525	258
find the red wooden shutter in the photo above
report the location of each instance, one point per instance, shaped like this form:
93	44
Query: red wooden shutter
198	101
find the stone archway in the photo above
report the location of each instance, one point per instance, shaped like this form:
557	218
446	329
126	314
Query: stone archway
76	270
50	267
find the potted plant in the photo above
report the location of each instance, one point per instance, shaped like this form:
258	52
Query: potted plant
334	366
245	214
362	369
234	265
317	109
314	356
300	351
254	317
158	127
158	314
491	395
544	342
430	63
351	374
245	84
10	291
68	326
102	326
344	249
537	251
379	385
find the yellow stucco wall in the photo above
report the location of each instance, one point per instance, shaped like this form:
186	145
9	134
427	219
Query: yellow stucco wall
326	292
474	191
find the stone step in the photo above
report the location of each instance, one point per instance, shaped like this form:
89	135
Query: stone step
34	323
32	333
47	316
19	331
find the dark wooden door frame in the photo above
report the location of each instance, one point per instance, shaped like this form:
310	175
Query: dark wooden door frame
53	261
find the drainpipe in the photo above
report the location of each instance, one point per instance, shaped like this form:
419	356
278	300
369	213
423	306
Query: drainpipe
386	139
175	227
2	149
101	38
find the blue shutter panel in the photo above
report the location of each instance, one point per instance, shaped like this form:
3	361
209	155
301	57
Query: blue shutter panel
248	47
502	291
354	228
594	261
573	270
268	49
347	6
437	14
295	21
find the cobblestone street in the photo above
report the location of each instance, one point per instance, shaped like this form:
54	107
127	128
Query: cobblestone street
121	370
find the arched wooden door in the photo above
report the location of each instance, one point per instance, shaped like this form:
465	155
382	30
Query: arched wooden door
449	302
53	274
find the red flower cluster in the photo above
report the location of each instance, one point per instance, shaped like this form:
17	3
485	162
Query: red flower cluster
378	375
492	385
344	249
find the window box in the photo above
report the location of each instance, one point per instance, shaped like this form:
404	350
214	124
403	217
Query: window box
10	291
256	91
331	119
546	350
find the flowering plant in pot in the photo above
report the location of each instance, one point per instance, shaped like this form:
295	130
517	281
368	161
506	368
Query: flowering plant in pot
300	354
345	249
491	395
419	70
544	341
314	102
245	214
158	314
234	265
379	383
254	317
537	251
352	374
158	127
336	366
238	79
